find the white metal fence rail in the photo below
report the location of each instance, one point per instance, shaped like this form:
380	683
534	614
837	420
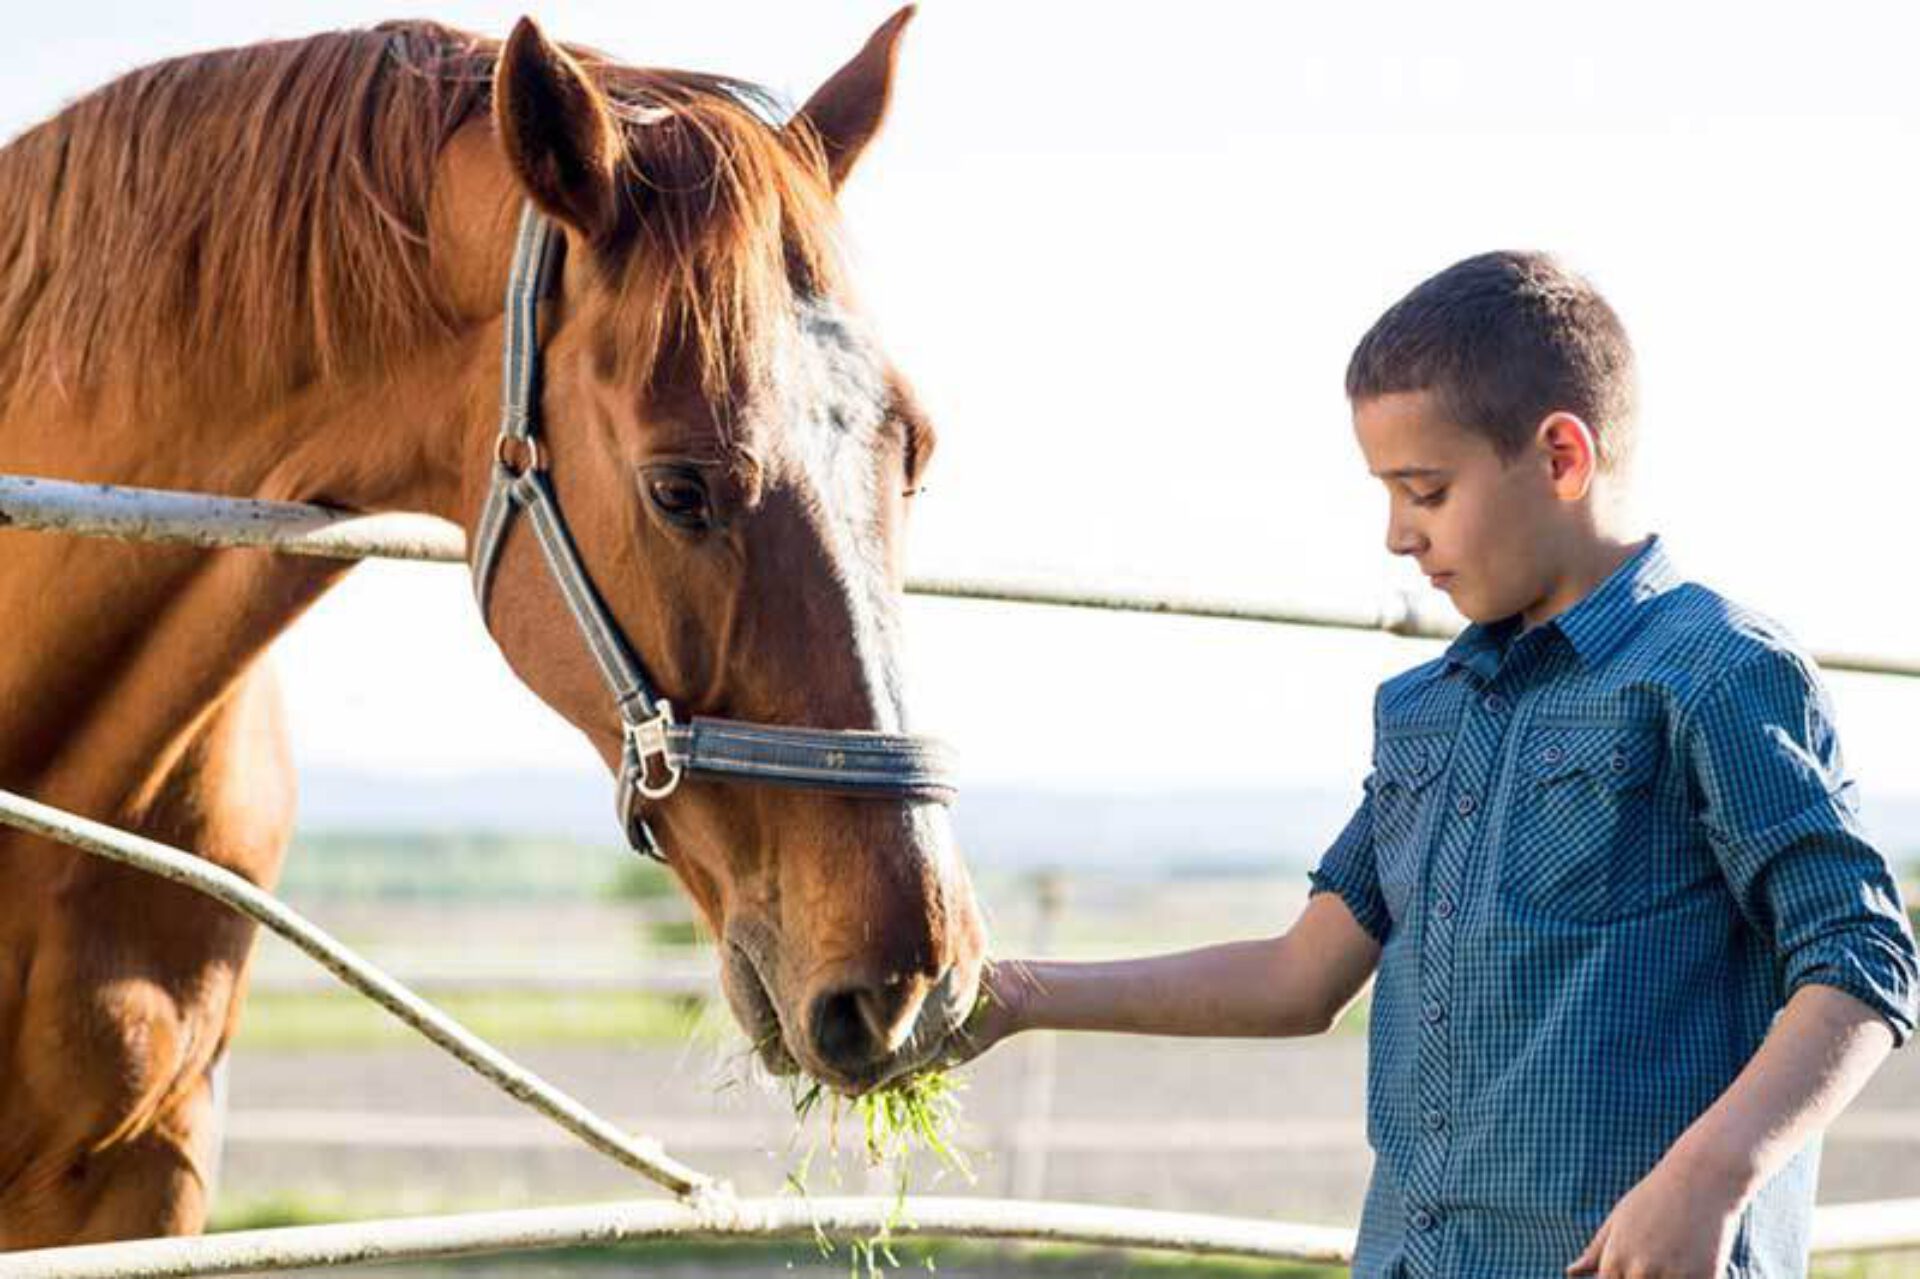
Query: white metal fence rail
705	1208
156	515
534	1229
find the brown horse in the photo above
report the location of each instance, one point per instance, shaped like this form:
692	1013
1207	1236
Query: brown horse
279	271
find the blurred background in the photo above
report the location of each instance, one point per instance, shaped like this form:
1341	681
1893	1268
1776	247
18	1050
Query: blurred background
1123	251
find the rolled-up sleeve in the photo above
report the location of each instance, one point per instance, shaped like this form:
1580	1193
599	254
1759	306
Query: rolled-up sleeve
1782	818
1349	868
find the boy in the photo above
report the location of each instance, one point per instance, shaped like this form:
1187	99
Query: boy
1633	951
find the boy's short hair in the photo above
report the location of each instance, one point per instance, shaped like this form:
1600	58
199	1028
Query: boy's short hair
1503	340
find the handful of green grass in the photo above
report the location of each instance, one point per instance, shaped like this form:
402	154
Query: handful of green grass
921	1111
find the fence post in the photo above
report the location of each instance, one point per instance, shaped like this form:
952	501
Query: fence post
1033	1125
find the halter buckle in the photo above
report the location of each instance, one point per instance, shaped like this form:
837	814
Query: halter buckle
648	740
531	458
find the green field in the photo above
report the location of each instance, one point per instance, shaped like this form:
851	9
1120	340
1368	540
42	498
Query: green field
345	1019
459	865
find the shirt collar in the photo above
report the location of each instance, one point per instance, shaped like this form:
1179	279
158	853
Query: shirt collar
1595	624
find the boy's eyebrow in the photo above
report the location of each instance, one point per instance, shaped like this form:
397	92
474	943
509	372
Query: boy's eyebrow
1405	472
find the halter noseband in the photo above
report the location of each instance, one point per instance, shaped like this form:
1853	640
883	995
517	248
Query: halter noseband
656	751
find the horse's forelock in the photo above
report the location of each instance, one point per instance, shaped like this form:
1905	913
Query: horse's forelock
728	229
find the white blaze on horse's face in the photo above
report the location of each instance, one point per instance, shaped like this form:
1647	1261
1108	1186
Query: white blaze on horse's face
859	951
834	388
834	393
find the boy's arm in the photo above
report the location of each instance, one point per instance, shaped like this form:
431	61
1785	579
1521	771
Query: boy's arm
1781	815
1821	1051
1779	812
1294	984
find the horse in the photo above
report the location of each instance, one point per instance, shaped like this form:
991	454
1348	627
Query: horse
277	271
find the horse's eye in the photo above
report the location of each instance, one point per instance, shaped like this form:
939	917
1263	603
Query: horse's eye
681	496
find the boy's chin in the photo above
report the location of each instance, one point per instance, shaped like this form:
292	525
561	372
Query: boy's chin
1484	613
1477	610
1463	602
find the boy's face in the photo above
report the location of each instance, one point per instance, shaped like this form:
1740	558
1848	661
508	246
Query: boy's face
1486	532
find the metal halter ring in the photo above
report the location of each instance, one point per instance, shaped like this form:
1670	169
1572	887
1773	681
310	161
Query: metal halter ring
535	459
649	741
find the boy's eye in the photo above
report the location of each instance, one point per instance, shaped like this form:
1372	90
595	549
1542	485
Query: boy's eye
1430	499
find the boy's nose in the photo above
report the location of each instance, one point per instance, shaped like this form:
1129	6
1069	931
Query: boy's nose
1402	540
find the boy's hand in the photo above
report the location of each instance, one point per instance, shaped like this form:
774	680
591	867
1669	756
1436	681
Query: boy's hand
993	1018
1676	1224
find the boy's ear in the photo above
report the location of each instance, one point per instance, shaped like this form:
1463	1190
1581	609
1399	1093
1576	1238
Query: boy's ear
1572	454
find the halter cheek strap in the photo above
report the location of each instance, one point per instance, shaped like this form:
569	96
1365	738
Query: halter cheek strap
656	751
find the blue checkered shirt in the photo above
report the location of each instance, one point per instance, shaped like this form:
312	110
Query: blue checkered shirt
1600	855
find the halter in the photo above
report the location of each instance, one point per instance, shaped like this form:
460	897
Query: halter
656	751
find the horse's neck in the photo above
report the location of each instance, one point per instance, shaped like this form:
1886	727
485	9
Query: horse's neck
394	436
125	648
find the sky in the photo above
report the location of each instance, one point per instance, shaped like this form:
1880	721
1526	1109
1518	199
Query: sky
1124	250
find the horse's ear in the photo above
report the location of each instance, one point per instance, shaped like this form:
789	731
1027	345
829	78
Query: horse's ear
846	111
559	136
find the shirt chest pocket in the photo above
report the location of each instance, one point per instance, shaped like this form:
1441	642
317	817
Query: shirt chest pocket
1405	767
1578	840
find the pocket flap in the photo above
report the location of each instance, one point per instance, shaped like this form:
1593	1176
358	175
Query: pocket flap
1411	761
1617	757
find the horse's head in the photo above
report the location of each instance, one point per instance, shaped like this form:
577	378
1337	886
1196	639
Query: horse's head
734	458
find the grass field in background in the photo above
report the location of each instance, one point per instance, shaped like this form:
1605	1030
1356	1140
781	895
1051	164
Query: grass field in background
456	865
344	1019
1101	917
1891	1265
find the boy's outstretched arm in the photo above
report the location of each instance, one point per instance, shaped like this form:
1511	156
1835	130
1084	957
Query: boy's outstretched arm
1294	984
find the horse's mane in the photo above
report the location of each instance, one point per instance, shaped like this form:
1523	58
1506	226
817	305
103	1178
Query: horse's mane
261	212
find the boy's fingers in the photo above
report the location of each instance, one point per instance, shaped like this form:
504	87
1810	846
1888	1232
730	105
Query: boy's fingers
1588	1262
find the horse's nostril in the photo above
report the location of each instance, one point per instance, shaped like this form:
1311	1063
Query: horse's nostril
857	1026
840	1030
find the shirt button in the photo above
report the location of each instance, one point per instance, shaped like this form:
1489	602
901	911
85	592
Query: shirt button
1443	909
1552	755
1617	761
1435	1120
1432	1010
1421	1219
1494	703
1465	804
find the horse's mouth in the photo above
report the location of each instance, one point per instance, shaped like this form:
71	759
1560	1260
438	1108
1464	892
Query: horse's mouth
940	1017
754	1008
